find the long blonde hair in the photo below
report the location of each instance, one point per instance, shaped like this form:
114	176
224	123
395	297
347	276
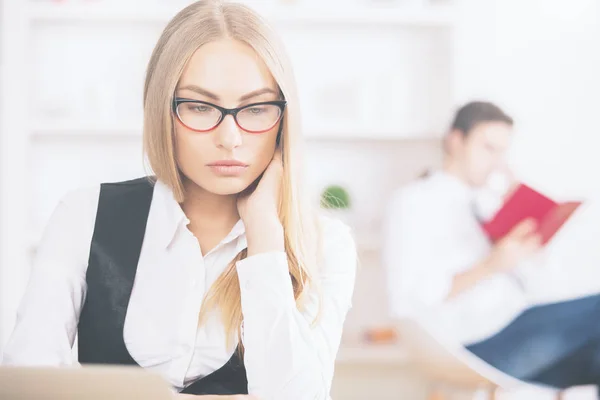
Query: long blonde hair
196	25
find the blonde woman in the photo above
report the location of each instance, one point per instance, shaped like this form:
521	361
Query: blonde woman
215	272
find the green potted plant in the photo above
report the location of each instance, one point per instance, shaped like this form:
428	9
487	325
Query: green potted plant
336	200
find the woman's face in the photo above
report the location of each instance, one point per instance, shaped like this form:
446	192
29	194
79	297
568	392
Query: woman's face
226	159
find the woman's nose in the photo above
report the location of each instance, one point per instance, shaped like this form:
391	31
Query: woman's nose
229	135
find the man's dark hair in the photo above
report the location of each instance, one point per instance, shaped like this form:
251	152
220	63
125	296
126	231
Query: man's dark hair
477	112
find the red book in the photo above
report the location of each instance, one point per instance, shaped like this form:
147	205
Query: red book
524	203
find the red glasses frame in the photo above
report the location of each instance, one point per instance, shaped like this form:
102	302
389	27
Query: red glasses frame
228	111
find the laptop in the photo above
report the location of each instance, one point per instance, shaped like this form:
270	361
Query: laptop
82	383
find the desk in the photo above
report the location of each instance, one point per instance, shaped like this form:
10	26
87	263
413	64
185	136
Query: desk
375	371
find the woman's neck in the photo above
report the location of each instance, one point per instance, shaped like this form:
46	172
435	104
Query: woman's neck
211	216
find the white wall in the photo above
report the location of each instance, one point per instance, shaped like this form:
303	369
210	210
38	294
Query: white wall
538	58
13	190
546	70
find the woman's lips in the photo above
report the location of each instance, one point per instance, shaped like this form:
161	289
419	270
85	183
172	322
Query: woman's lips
228	167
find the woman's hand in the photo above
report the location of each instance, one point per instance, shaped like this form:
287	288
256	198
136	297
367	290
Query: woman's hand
259	210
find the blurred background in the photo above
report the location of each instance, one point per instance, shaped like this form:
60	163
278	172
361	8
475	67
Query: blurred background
379	81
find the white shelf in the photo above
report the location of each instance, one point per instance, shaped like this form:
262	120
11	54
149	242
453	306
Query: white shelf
359	133
431	16
86	129
133	129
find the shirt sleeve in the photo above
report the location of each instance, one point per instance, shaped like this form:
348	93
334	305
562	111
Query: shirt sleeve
418	266
47	318
288	354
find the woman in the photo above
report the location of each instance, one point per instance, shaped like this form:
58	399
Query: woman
214	273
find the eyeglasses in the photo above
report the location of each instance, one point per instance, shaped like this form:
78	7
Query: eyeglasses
201	116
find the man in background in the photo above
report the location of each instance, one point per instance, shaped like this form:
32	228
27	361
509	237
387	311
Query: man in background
441	264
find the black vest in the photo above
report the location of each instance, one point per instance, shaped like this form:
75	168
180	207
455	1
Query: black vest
114	254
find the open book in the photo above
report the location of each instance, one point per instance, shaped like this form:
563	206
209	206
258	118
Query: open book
525	202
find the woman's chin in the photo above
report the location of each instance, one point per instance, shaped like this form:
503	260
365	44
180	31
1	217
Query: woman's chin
228	187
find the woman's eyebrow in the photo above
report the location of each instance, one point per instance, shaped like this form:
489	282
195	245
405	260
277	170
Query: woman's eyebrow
206	93
256	93
200	91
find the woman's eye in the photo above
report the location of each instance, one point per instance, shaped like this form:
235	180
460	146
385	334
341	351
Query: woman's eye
255	110
199	108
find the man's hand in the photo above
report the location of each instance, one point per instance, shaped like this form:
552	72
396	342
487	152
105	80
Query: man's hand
520	243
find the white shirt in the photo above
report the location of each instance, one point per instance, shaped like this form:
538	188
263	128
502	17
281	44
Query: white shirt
285	356
431	235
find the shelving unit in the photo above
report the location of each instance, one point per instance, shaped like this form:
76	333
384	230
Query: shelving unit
358	133
82	129
68	64
297	21
297	24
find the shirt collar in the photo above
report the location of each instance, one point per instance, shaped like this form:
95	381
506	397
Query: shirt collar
453	186
237	232
167	217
